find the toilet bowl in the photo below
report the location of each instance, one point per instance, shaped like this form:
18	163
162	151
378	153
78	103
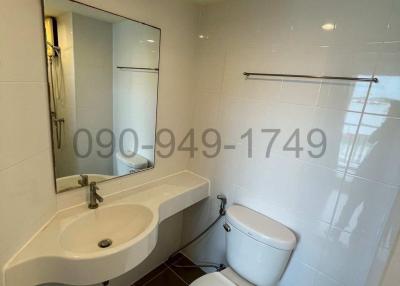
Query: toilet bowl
258	249
226	277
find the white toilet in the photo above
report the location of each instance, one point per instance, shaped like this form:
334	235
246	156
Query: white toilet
258	249
130	164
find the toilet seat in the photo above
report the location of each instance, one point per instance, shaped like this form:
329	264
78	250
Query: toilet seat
213	279
226	277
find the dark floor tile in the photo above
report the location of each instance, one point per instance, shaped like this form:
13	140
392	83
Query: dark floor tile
175	258
150	275
187	274
166	278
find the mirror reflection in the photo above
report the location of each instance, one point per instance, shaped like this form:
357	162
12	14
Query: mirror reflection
103	82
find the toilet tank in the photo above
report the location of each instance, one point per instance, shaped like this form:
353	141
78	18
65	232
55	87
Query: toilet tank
258	248
130	164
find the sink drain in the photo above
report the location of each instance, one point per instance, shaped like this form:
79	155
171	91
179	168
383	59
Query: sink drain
105	243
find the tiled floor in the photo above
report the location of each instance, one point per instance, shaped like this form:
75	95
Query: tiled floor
169	275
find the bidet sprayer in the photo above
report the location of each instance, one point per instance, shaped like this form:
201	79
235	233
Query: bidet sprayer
222	198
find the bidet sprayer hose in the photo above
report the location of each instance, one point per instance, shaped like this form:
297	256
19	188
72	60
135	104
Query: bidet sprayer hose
222	213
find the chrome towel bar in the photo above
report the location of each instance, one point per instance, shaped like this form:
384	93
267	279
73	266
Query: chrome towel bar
365	79
139	69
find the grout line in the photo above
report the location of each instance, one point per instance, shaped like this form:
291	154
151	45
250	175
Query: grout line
22	82
375	181
391	116
154	277
176	274
183	256
345	172
346	169
29	157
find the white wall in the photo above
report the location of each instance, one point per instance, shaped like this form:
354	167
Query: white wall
26	176
26	180
392	275
337	205
244	35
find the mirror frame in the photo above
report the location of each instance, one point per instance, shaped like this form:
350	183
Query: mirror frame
49	97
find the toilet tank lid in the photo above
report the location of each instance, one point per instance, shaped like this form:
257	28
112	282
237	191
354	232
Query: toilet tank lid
132	161
261	228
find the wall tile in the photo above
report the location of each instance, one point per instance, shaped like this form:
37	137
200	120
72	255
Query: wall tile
317	191
28	180
376	155
298	274
324	280
392	227
394	23
21	48
343	95
353	61
28	201
311	241
302	193
377	270
340	129
24	121
210	64
364	206
391	277
300	92
301	119
362	28
347	257
208	103
265	182
384	97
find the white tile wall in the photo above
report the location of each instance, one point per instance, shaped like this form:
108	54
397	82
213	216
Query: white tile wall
20	42
20	102
242	35
341	206
361	206
392	275
26	181
376	154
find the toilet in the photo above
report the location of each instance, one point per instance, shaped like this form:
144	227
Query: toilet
130	164
258	249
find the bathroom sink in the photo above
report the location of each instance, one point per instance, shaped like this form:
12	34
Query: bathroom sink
126	226
105	228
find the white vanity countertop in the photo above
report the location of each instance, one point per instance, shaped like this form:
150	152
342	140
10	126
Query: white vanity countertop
44	259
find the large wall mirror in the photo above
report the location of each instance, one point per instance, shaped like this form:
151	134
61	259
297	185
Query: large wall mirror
103	82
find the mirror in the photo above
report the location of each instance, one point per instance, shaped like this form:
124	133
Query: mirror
103	83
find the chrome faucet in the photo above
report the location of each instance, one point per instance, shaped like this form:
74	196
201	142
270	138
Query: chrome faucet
84	181
94	196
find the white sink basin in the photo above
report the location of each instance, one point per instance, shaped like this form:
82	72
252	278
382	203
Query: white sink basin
110	226
66	250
